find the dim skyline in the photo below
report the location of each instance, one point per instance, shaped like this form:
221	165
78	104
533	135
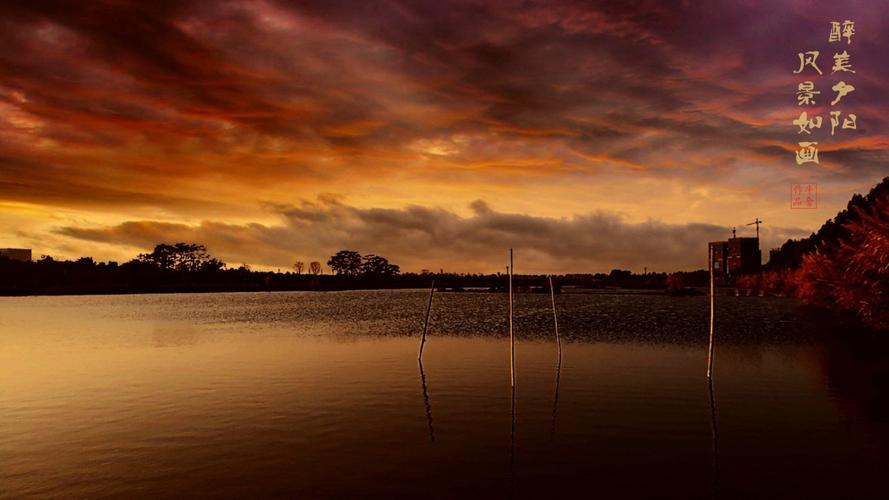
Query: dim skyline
587	135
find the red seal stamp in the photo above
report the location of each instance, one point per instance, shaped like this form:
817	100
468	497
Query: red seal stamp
804	196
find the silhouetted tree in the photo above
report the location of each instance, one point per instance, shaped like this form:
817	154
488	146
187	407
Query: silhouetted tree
345	263
188	257
831	233
85	262
299	266
374	265
315	267
620	274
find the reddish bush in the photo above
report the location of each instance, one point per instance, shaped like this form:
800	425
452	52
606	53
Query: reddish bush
853	276
749	281
784	282
675	282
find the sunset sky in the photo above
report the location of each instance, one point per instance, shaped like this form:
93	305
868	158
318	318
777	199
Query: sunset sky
587	135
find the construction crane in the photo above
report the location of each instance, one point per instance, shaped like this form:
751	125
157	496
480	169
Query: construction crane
756	222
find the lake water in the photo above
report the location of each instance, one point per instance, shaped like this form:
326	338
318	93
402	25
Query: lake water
319	395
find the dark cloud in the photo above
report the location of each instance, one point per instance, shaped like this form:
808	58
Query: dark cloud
656	83
421	237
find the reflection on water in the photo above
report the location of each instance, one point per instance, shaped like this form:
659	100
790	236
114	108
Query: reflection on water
715	433
426	401
315	395
174	334
552	430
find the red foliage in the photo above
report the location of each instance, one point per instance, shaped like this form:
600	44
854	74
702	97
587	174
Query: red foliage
852	276
784	282
675	282
749	281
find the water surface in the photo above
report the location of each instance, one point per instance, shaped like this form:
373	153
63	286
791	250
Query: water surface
319	395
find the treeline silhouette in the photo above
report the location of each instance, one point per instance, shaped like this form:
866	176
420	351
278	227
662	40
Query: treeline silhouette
831	234
844	266
188	267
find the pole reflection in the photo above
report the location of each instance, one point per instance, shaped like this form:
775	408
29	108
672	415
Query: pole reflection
512	448
426	402
552	429
715	435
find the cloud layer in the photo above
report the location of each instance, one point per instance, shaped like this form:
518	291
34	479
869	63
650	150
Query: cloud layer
419	237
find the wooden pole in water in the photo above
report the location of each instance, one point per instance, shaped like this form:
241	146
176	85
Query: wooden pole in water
512	383
712	313
511	336
426	323
552	295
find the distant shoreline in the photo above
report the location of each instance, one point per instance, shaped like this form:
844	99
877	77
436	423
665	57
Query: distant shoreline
87	277
690	292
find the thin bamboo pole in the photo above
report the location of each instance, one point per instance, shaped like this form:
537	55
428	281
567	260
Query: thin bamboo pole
512	383
712	315
511	335
426	323
552	295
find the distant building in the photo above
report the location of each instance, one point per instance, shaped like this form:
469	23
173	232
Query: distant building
744	256
22	254
719	253
774	258
735	257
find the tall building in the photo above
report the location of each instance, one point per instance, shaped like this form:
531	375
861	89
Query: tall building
735	257
774	258
22	254
744	256
719	253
